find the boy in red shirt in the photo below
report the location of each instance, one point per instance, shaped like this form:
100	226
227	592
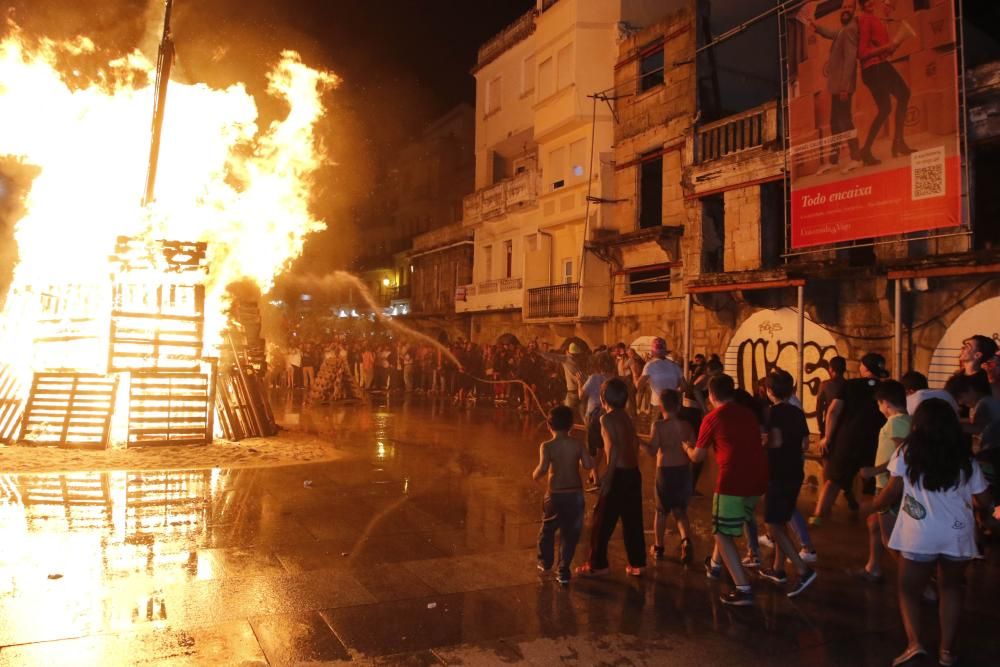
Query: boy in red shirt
734	431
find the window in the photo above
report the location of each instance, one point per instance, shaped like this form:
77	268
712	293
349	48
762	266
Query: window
546	79
578	158
713	233
528	75
508	251
652	281
651	190
567	271
487	262
494	92
564	65
557	168
651	68
772	223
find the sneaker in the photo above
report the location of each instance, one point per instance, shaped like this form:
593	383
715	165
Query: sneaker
563	577
850	166
909	654
869	577
586	570
815	521
712	570
738	598
751	561
634	571
656	552
805	581
765	541
777	576
687	553
541	568
808	555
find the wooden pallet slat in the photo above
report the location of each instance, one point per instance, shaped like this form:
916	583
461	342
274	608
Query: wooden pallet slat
170	408
63	409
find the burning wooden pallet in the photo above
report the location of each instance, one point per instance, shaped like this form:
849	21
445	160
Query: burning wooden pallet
69	409
11	404
171	408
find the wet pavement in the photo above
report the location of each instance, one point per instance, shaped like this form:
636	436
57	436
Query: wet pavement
416	548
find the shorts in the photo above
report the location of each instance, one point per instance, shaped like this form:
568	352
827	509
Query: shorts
932	558
781	500
729	513
673	488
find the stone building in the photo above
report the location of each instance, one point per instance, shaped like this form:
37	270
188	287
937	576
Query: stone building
698	237
422	192
543	165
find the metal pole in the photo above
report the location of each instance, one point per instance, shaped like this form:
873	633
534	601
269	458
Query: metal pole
897	329
800	335
687	328
164	60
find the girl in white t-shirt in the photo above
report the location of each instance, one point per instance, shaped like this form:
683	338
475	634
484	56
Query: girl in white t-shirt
934	481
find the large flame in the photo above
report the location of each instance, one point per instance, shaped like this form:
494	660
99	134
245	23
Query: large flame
222	179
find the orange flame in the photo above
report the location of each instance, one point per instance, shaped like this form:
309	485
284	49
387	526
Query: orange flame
222	179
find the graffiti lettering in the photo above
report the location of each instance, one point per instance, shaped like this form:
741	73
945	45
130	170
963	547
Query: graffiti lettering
758	357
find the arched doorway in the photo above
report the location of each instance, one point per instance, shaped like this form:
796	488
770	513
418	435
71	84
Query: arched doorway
980	319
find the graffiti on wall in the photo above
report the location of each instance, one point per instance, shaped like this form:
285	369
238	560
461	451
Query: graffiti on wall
766	341
980	319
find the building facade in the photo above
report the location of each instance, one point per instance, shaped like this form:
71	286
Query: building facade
543	154
677	222
422	193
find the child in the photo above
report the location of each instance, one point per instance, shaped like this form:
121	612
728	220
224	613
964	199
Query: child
934	481
733	431
673	473
621	488
891	398
562	509
787	440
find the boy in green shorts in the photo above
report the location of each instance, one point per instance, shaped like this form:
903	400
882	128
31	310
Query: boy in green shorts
734	431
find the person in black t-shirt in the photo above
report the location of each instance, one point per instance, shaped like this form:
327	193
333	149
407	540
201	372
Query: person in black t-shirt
829	390
852	422
787	440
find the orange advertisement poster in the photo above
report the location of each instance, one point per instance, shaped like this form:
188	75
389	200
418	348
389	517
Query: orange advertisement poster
873	120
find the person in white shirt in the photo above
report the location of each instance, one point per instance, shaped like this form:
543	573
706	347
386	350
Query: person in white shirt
660	373
917	391
935	481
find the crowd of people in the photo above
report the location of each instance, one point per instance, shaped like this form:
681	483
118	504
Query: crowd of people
928	456
931	456
506	374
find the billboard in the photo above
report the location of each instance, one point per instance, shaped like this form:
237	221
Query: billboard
873	119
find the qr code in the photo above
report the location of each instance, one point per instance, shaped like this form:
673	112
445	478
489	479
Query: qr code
927	173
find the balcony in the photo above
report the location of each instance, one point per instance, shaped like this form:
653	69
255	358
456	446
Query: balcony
753	128
553	302
499	294
511	35
496	200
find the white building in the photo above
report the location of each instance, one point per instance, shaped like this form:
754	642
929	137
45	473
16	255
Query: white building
543	168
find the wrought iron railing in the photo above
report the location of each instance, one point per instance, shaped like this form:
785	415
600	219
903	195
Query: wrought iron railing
554	301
